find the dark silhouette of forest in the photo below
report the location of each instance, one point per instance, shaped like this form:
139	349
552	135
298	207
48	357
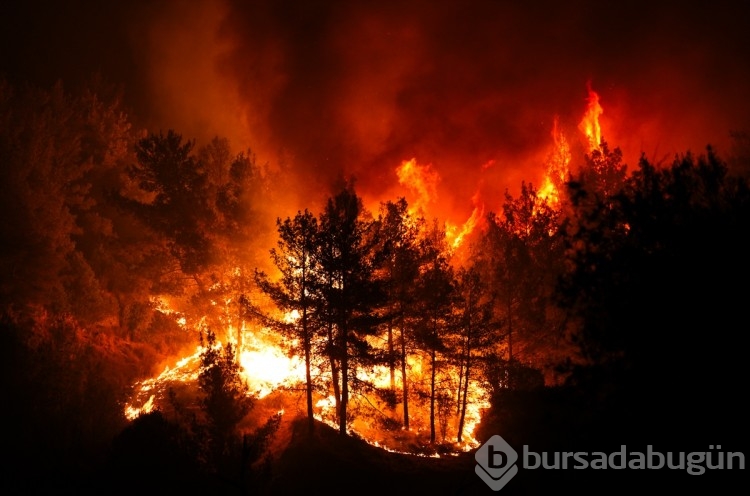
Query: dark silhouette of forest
613	316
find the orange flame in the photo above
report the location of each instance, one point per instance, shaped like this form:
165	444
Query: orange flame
589	125
558	167
458	236
558	163
422	180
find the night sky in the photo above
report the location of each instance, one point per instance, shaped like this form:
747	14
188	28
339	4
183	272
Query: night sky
340	87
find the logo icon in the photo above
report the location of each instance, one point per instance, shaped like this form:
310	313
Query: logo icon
496	462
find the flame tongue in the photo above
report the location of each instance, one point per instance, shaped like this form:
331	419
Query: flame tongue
558	163
558	167
470	224
589	125
422	180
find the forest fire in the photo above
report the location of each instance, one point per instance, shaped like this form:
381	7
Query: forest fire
268	364
558	162
266	247
265	368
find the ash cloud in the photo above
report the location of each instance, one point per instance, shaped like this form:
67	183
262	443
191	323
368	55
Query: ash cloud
354	88
338	88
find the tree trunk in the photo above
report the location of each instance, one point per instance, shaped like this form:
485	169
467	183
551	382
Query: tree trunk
432	398
391	357
460	379
462	418
334	369
508	372
467	362
404	383
344	381
308	373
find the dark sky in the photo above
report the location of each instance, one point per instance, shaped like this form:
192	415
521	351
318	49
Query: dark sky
355	87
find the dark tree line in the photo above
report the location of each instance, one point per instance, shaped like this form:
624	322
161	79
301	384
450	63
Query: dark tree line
658	287
652	288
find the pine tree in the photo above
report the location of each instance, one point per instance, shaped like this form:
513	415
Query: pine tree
295	257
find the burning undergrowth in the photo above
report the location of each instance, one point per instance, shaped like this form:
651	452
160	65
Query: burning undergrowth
276	382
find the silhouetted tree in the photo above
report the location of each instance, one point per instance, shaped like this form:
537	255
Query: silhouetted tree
603	172
226	399
654	269
351	294
474	313
176	182
521	255
295	257
198	206
435	300
399	261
